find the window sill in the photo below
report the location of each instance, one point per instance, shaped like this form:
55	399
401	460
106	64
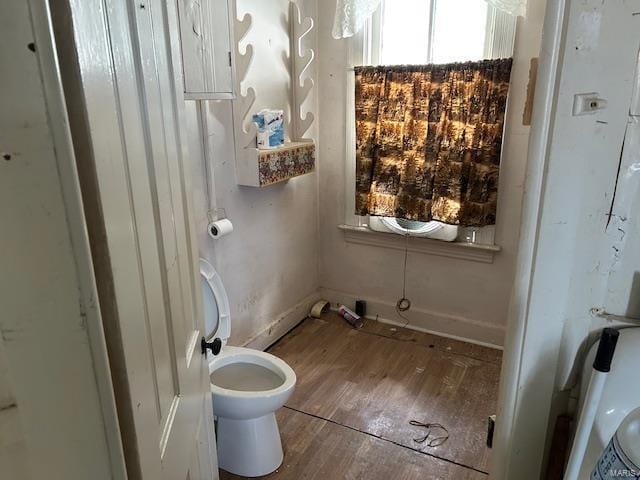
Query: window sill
461	250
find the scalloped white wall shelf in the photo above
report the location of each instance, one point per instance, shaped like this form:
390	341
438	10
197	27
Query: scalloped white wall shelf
259	168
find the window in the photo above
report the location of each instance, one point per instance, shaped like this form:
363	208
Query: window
430	31
455	31
439	31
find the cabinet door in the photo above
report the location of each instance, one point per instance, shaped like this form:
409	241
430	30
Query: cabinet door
207	49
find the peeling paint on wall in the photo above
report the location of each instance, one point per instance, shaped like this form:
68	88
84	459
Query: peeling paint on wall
590	26
623	291
592	184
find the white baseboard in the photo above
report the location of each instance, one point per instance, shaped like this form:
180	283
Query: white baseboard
437	323
283	323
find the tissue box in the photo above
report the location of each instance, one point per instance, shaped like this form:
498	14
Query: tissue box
270	128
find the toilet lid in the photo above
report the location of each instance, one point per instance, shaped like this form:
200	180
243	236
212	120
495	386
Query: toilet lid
217	318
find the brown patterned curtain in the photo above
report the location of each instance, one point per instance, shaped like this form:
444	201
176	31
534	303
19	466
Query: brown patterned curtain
428	140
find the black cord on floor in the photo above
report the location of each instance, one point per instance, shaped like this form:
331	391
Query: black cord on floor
404	304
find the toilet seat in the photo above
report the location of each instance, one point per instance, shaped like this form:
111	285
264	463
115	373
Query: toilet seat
217	313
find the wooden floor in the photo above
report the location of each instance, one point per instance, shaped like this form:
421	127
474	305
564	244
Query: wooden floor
357	390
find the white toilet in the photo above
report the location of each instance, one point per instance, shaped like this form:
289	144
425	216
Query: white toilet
248	386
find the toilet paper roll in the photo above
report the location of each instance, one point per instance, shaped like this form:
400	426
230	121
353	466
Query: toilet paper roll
220	228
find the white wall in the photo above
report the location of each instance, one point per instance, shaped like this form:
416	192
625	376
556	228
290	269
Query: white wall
14	456
595	264
278	256
454	296
572	264
269	264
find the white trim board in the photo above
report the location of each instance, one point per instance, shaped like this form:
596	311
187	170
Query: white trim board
518	449
428	246
51	327
283	324
423	320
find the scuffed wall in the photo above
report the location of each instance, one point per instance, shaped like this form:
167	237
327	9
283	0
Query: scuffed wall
594	176
448	295
269	264
566	275
14	459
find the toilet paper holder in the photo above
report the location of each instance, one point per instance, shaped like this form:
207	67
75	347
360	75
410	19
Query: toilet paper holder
216	213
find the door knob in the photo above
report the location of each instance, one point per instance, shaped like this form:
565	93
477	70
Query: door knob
214	346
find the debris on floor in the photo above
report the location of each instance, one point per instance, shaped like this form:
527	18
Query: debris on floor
440	433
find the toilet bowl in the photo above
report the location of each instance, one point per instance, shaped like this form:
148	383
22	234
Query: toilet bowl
247	387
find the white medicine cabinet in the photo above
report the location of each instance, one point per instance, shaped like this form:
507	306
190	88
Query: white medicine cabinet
207	46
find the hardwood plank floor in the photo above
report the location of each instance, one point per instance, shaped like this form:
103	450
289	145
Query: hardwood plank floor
318	449
366	385
449	345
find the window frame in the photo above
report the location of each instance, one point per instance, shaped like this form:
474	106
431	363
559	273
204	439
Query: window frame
365	48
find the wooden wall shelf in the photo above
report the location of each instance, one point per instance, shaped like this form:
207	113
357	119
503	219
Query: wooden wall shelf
260	168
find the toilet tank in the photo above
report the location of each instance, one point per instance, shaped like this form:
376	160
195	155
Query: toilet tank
621	394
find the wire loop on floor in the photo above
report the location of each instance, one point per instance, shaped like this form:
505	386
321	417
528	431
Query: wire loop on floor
435	441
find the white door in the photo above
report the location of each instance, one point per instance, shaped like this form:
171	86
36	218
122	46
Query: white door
126	111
